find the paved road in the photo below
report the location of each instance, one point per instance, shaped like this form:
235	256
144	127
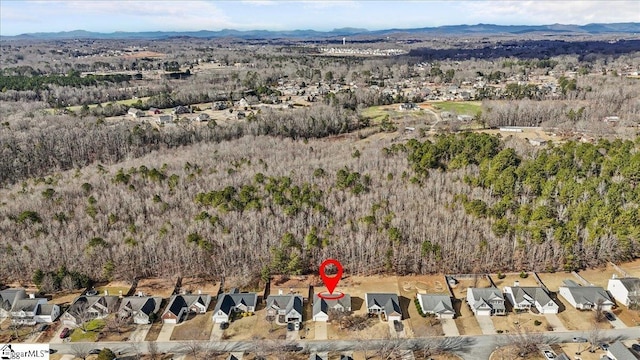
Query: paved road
468	347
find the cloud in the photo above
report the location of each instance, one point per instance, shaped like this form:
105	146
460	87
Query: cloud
550	12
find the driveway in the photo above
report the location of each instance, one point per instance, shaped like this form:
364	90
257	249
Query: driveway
555	322
486	325
618	324
320	328
140	333
398	334
55	339
165	332
449	327
216	333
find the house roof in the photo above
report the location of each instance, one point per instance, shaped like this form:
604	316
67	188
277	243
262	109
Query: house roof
321	305
9	296
630	283
286	302
178	302
587	294
46	309
27	305
531	294
620	351
227	301
487	297
387	301
436	303
144	304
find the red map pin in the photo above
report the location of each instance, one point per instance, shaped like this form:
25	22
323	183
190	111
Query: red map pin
330	282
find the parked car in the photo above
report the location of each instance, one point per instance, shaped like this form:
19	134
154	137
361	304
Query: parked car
397	325
636	347
94	351
64	333
291	327
549	355
609	316
579	340
224	325
604	346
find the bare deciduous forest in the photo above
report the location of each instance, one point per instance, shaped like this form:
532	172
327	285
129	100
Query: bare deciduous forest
90	196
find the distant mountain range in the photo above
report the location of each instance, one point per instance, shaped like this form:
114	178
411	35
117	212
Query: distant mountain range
488	29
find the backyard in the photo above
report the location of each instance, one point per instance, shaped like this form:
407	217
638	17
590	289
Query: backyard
156	287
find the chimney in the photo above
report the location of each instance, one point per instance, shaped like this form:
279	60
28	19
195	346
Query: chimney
106	292
280	292
140	294
516	283
32	296
199	292
120	292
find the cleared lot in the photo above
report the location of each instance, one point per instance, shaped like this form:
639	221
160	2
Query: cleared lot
156	287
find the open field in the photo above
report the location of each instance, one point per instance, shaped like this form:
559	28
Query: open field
114	288
527	133
193	285
196	327
511	278
423	284
459	107
554	280
633	268
127	102
599	277
156	287
406	118
525	320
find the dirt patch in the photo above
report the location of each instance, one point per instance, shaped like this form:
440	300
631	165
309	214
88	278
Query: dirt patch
554	280
510	280
193	285
599	277
196	327
156	287
423	284
633	268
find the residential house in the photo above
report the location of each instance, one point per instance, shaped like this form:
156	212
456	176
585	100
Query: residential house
135	113
24	310
625	290
408	107
486	301
243	103
141	309
618	351
180	109
286	308
235	301
181	305
322	306
86	307
611	119
387	304
164	119
526	297
585	297
8	297
202	117
537	142
47	313
437	304
154	111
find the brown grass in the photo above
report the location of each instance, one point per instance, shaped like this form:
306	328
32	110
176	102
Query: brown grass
143	54
153	333
125	333
192	285
114	288
525	320
466	322
156	287
409	287
247	327
554	280
511	352
600	276
633	267
629	317
509	280
196	327
572	348
574	319
64	297
298	285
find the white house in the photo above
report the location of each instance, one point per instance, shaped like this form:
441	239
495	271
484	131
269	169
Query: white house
47	313
286	307
618	351
486	301
135	113
181	305
625	290
524	298
585	297
387	304
322	307
234	301
437	304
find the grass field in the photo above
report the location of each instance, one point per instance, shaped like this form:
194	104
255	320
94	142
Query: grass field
93	328
116	288
127	102
459	107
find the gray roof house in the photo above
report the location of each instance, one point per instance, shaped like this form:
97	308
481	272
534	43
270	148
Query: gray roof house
139	308
322	307
437	304
585	297
525	297
24	310
181	305
89	307
486	301
384	303
286	308
625	290
234	301
8	297
618	351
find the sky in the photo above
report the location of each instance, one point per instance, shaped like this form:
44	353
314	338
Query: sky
28	16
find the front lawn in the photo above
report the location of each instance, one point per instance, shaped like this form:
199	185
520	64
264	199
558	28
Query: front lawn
94	327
